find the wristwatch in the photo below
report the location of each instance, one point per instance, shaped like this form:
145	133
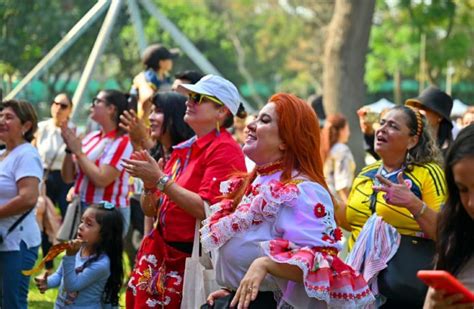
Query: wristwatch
162	182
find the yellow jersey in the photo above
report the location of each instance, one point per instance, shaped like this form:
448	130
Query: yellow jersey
426	181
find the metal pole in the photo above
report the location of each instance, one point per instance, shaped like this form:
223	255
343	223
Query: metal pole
57	51
137	25
95	54
422	62
186	45
449	77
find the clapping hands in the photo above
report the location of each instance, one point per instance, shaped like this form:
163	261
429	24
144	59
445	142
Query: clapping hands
143	166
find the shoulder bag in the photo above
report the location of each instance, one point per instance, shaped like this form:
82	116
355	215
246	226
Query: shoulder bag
398	281
199	276
71	220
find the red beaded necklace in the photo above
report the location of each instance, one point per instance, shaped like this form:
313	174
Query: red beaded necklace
270	168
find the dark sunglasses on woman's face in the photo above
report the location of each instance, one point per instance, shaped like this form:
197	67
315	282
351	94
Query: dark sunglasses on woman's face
197	98
61	105
96	101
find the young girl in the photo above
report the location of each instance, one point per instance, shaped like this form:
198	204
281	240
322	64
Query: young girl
91	272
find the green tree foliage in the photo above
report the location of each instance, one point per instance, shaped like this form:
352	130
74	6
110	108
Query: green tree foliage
396	36
29	29
263	46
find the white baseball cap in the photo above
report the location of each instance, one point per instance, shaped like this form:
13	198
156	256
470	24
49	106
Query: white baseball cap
216	86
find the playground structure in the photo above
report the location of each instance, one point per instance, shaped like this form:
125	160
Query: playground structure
114	7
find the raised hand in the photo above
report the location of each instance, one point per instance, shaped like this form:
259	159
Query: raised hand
145	93
365	126
136	129
72	141
397	194
143	166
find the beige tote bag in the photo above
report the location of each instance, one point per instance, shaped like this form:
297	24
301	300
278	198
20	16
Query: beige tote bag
199	276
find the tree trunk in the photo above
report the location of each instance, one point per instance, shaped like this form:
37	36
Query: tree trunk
344	65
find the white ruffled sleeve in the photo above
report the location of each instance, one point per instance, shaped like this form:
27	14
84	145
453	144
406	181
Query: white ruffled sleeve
308	220
307	237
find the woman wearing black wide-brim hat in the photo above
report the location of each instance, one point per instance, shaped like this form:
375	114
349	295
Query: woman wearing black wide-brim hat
436	105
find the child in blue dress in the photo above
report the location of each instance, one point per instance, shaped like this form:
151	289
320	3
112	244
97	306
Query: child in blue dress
91	273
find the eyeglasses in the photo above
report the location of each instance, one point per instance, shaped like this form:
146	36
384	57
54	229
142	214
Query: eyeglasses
197	98
61	105
96	101
106	205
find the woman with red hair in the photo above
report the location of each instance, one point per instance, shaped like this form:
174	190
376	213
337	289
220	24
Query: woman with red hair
275	230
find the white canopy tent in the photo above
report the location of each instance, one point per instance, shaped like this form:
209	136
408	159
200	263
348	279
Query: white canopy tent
380	105
459	108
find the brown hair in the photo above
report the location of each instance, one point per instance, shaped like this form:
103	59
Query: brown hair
331	132
25	112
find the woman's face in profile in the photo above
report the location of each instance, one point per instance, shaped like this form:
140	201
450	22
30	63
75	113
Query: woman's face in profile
10	124
157	118
463	172
263	143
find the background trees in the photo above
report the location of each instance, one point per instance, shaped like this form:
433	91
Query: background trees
263	46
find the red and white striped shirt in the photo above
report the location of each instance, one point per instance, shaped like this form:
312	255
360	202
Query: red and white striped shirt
103	149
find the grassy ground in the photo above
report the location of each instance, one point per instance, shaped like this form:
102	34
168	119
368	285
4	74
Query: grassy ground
36	300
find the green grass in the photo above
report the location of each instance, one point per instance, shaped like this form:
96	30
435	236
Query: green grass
36	300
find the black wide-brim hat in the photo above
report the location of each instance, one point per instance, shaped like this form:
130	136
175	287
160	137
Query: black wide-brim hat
435	100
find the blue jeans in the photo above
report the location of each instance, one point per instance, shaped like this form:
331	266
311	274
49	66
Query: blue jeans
13	285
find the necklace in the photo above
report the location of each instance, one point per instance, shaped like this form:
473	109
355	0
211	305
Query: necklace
270	168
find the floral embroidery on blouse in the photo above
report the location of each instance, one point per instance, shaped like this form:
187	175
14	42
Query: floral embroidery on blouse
303	232
319	210
262	202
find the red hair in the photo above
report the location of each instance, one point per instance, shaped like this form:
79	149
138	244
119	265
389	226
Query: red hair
299	130
331	132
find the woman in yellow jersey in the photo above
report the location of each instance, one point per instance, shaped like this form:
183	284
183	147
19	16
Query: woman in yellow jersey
405	188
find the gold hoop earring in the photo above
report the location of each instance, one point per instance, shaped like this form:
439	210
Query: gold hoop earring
218	127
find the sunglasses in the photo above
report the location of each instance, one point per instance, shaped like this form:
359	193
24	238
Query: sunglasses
106	205
197	98
96	101
61	105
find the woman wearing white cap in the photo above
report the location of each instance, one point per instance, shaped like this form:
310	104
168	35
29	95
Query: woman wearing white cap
176	194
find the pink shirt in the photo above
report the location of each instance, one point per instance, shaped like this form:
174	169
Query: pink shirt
103	149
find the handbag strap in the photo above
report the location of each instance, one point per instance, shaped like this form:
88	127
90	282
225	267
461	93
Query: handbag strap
50	165
18	221
195	254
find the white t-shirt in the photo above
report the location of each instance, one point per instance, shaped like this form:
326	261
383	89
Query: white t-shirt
51	145
23	161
